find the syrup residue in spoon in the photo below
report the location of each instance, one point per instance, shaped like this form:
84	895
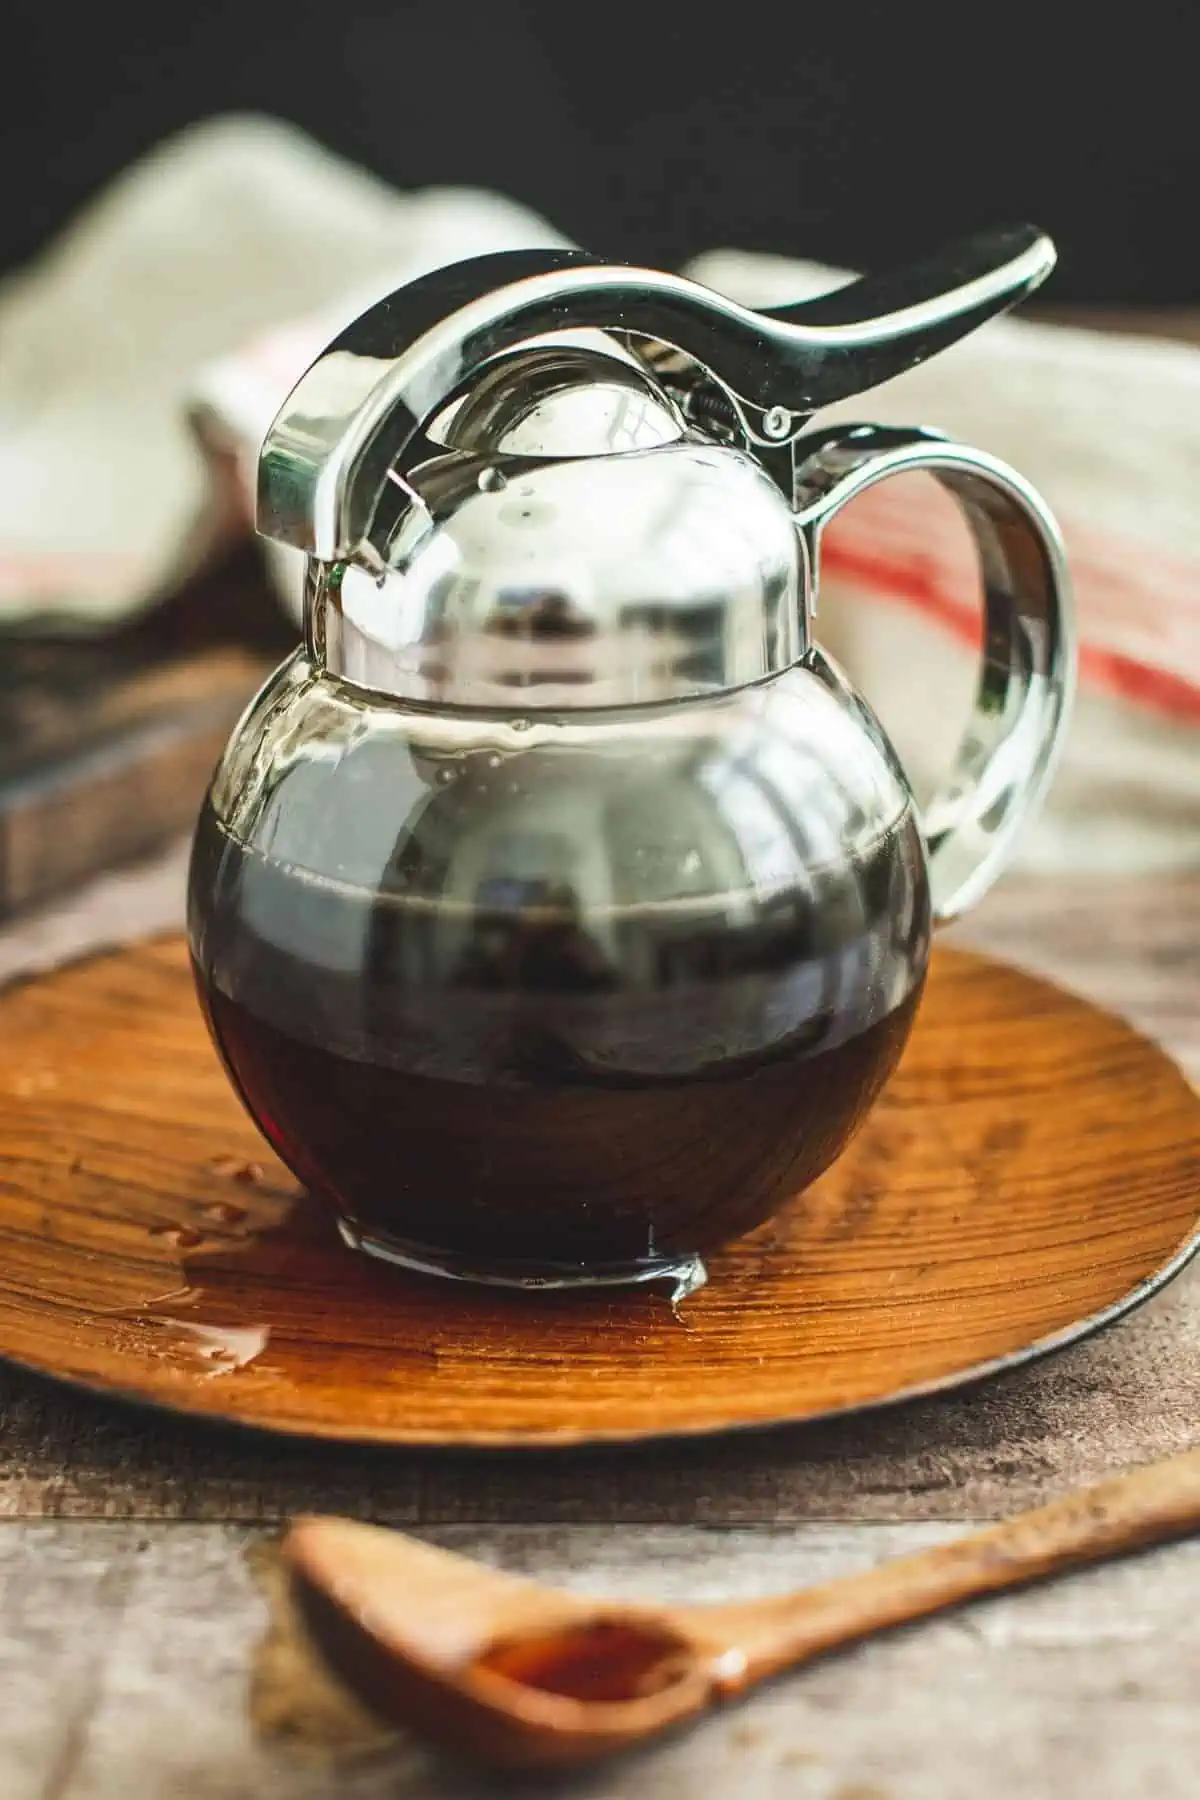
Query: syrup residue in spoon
605	1660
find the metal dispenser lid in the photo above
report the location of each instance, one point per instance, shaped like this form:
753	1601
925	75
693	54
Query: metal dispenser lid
538	480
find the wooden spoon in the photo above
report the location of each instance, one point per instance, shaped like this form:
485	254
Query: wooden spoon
527	1676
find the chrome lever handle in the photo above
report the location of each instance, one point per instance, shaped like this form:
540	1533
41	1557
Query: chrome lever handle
349	419
880	325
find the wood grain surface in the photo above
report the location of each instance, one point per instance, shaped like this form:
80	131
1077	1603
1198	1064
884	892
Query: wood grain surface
96	772
129	1634
1035	1163
107	743
526	1674
129	1654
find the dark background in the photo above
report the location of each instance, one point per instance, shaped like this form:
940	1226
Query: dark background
854	133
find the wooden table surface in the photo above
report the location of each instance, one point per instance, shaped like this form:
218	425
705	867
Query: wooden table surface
129	1613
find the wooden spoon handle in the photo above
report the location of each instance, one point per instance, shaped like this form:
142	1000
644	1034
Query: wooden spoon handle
1148	1506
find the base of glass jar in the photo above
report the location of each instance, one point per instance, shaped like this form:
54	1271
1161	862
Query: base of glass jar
684	1274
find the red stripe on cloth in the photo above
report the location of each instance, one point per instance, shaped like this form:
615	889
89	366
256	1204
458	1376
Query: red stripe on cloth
1163	690
908	517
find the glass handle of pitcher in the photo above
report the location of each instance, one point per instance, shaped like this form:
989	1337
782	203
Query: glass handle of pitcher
1026	678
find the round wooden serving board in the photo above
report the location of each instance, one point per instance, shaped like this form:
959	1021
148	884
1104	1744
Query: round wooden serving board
1032	1171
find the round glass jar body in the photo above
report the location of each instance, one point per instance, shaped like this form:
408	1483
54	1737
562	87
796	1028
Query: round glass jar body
565	998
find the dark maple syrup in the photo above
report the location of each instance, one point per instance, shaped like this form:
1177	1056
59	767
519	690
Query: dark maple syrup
605	1660
521	1090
